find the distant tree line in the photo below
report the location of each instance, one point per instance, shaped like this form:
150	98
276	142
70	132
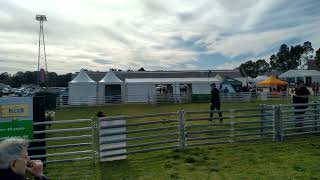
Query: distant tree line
141	69
285	59
29	77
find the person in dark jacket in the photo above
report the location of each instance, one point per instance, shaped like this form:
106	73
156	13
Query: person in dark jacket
300	96
215	102
15	162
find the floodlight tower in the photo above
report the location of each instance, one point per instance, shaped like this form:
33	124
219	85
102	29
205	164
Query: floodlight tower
42	56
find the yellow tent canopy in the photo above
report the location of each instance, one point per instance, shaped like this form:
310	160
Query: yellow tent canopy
272	81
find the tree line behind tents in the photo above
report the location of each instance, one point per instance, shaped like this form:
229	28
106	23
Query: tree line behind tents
29	77
285	59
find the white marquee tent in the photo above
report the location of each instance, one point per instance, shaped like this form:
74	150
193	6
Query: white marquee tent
307	76
219	78
144	89
82	90
111	88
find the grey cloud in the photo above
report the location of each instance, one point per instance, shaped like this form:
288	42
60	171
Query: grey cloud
114	35
102	61
18	52
18	61
10	69
155	7
187	16
295	14
11	65
232	5
197	13
22	22
20	19
156	34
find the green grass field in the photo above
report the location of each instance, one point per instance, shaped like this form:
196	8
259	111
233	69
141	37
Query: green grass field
296	158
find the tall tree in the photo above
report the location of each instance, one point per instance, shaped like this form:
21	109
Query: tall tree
295	55
284	57
254	68
141	69
307	47
281	61
5	78
317	57
64	79
262	66
248	69
287	59
273	62
306	55
28	77
52	79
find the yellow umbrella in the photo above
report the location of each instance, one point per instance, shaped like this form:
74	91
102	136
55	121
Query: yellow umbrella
272	81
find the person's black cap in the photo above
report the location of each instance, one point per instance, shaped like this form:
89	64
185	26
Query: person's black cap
212	84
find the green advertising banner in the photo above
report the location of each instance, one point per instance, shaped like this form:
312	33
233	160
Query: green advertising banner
16	117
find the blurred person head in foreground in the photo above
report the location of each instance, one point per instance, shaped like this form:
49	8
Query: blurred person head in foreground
15	162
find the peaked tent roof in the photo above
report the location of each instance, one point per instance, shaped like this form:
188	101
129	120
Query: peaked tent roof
110	78
272	81
218	77
82	77
300	73
231	81
97	76
172	80
260	78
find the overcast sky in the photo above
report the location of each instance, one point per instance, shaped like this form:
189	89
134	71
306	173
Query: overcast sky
154	34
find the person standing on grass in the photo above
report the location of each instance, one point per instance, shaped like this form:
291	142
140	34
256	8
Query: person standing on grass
300	96
215	102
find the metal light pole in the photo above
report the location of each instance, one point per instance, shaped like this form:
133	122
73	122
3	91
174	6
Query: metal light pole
42	56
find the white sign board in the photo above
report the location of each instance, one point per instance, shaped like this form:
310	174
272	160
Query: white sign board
103	130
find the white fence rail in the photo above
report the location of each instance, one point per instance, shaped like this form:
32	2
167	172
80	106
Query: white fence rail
116	137
186	129
50	142
109	138
165	99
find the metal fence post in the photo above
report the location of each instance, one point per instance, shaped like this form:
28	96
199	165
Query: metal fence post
277	136
182	135
274	122
262	119
280	123
316	115
95	147
232	133
95	140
